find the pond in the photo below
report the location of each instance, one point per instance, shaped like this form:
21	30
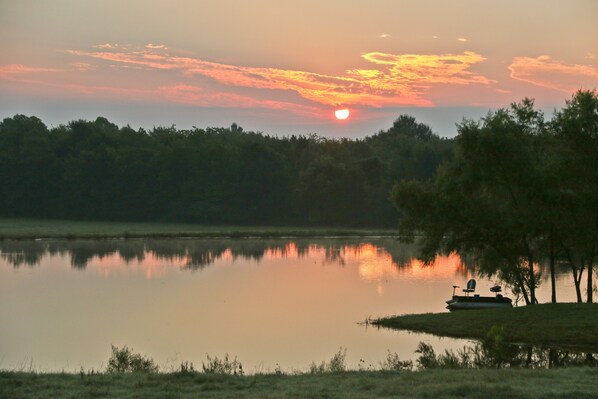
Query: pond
271	303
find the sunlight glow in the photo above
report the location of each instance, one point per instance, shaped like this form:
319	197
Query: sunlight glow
341	113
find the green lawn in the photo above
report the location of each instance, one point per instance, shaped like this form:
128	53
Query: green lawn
39	228
562	324
576	383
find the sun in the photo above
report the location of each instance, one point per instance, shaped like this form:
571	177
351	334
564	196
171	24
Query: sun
341	113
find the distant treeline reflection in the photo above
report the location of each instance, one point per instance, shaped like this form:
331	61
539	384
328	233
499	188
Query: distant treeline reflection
195	254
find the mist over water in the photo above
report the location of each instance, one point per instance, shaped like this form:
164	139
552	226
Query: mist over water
270	302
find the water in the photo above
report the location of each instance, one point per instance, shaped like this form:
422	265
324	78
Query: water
271	303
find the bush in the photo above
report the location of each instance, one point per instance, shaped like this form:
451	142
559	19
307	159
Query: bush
466	358
126	361
496	350
394	363
427	356
336	364
215	365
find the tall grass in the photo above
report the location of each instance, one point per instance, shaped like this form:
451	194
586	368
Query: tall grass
335	365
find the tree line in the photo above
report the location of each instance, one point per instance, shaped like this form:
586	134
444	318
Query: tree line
511	191
95	170
520	190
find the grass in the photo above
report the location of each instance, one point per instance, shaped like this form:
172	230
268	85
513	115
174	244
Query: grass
562	324
487	383
39	228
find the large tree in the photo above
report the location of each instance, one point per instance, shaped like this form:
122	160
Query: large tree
575	130
517	192
484	204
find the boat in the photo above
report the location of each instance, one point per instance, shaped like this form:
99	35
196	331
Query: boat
475	301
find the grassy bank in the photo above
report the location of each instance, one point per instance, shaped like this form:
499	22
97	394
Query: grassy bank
501	383
38	228
563	324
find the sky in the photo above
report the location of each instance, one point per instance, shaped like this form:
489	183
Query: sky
284	67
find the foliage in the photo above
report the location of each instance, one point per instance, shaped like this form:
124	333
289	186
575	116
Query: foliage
335	365
394	363
124	360
427	357
94	170
517	191
215	365
495	347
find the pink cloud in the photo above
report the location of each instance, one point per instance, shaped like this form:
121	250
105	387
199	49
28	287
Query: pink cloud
19	69
193	95
543	71
396	80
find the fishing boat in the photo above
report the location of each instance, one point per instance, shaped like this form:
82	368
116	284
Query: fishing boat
475	301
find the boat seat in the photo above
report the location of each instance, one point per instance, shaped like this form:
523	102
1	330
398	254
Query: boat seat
470	287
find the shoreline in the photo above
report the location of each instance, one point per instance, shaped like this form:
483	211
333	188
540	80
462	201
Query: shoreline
566	325
41	229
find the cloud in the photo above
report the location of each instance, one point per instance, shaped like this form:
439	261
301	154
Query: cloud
177	93
430	69
156	46
193	95
81	66
545	72
106	46
462	39
384	35
394	80
10	70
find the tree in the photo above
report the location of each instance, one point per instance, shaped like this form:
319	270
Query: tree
484	203
575	128
29	171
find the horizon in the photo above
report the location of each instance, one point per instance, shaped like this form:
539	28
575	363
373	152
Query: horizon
284	68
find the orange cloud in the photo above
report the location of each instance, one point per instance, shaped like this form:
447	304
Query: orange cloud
193	95
544	72
424	70
397	80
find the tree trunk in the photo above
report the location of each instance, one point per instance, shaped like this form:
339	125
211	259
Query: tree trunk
521	285
577	281
590	285
576	276
552	272
532	280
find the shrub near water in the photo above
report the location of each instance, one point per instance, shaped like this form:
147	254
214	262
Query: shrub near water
335	365
394	363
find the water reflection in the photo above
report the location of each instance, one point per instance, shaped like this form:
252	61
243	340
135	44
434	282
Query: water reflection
537	357
379	259
488	355
279	301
